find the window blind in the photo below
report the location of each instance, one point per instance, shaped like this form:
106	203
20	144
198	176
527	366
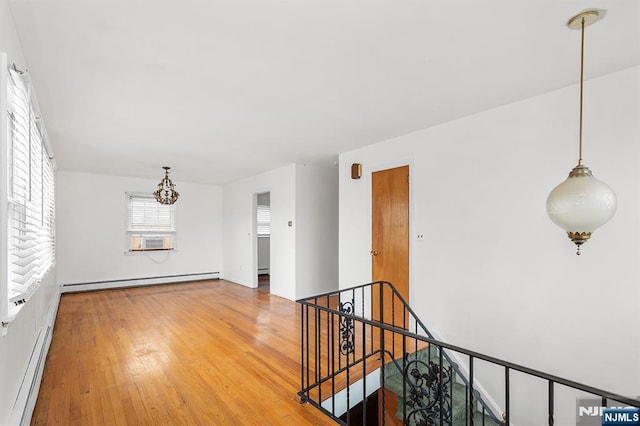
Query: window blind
31	203
146	214
263	220
150	225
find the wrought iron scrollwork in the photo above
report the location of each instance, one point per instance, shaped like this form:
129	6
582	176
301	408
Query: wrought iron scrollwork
347	336
425	385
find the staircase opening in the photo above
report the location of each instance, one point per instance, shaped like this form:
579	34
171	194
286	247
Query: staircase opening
351	359
365	413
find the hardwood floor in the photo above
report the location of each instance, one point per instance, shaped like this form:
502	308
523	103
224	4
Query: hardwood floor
205	353
264	283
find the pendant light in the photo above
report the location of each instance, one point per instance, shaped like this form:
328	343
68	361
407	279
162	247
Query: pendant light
582	203
166	192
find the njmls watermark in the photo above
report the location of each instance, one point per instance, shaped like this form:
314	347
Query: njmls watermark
590	412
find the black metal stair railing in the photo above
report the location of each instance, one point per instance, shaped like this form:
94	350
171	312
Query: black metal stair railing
356	355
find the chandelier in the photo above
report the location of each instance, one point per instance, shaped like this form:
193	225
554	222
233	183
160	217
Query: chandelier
582	203
166	192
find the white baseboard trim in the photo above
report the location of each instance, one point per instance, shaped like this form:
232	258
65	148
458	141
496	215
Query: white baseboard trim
28	393
137	282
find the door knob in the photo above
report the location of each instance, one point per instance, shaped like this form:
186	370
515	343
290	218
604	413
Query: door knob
373	253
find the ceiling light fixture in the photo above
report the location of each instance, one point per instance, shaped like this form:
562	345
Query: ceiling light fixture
166	192
582	203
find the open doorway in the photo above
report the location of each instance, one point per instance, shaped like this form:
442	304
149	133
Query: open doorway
263	243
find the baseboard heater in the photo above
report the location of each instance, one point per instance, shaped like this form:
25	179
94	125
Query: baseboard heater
138	282
28	393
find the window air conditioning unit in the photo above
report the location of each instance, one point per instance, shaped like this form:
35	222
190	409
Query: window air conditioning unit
153	243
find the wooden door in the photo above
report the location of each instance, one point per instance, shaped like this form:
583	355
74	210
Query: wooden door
390	241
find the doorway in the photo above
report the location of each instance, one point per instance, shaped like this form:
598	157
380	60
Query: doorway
390	242
263	243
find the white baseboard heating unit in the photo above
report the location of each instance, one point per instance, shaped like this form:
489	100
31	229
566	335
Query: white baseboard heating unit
137	282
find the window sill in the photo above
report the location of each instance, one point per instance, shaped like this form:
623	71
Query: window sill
14	310
13	313
14	307
138	252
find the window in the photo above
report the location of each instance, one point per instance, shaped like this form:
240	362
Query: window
151	226
30	198
263	220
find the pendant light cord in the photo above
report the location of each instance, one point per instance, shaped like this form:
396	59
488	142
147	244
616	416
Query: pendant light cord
581	84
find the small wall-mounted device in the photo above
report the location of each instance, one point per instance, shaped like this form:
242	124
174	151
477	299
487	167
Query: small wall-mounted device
356	171
290	223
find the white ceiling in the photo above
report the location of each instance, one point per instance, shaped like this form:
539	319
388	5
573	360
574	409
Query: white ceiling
221	90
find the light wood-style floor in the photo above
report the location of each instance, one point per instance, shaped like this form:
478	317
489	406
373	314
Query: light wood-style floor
205	353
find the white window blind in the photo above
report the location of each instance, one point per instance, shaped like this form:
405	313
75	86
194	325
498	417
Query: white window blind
30	194
263	220
150	225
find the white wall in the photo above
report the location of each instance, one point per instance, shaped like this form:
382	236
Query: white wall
303	256
91	230
32	321
317	230
9	42
494	274
239	242
17	347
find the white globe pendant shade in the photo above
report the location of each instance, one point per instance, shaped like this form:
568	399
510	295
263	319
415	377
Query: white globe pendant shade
581	204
